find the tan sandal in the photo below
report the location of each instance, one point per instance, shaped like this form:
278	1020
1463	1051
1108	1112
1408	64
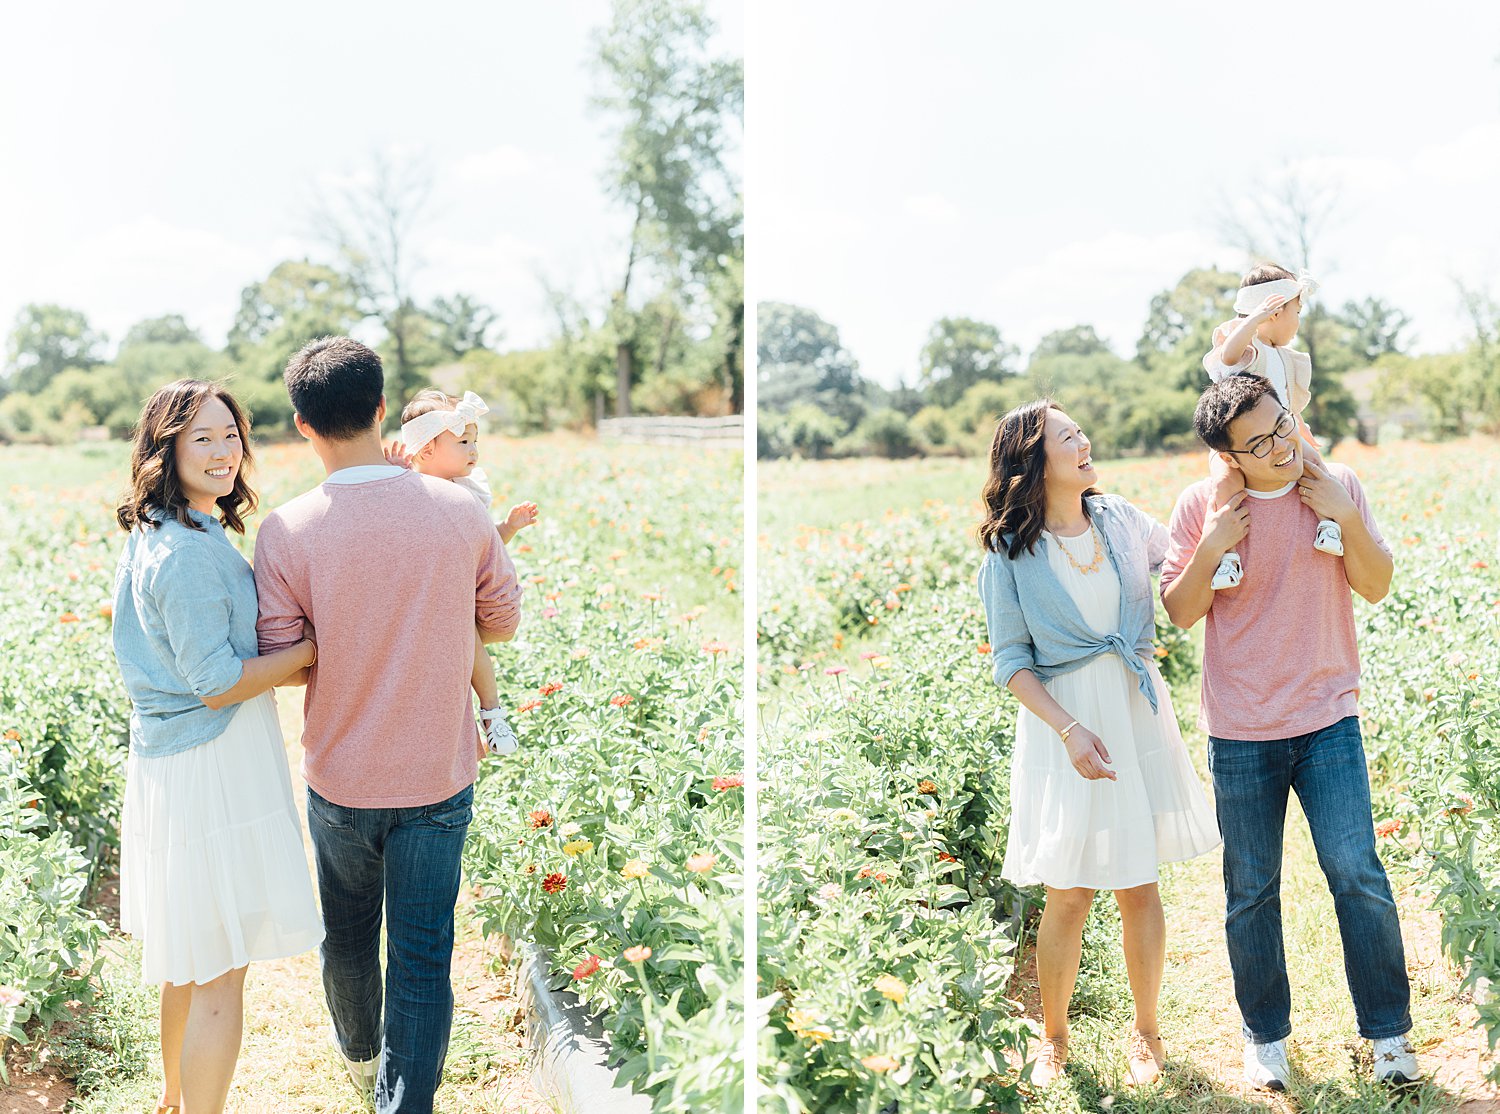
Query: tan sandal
1144	1058
1050	1060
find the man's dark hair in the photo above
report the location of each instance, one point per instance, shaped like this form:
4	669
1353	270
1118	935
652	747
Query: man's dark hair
1225	401
335	383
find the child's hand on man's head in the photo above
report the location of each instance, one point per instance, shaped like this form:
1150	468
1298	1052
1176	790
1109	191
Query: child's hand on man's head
396	454
521	516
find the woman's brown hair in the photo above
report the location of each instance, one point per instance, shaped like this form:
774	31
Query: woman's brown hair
1015	495
154	485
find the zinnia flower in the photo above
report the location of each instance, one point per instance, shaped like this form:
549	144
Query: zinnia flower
732	781
1387	828
578	847
891	987
638	954
540	818
830	891
569	830
925	786
10	996
701	863
550	687
835	670
621	700
554	883
634	869
586	968
715	648
528	706
880	1063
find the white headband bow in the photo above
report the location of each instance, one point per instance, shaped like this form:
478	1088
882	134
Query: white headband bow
416	433
1248	300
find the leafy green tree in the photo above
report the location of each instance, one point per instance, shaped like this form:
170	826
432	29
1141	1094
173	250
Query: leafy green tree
168	329
46	340
460	325
1079	340
1376	328
1180	324
807	431
884	432
801	360
673	106
959	353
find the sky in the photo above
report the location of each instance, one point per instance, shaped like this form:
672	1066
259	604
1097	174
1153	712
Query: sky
1045	165
159	156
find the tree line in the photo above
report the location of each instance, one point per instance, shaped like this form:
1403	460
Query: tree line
813	401
668	338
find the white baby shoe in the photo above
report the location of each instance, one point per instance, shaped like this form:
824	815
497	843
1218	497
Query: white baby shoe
1330	538
496	731
1229	573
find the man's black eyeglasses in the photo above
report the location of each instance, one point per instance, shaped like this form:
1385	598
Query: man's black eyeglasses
1261	446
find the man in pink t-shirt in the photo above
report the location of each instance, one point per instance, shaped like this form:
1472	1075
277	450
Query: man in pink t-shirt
1280	691
394	571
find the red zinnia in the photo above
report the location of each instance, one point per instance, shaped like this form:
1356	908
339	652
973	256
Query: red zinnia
528	706
733	781
554	883
586	968
540	818
621	700
550	687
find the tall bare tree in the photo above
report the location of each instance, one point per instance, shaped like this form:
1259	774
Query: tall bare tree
371	224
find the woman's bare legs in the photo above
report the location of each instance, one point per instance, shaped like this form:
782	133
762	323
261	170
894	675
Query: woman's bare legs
175	1002
211	1044
1145	932
1059	946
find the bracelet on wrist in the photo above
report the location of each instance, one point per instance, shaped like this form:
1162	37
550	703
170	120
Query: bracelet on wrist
1063	734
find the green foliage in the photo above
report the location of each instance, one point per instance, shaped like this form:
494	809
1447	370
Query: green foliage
45	340
884	432
959	353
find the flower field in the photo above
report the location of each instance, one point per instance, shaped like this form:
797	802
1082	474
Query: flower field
613	839
888	941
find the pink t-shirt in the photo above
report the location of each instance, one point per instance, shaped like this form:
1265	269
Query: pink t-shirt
1279	655
394	574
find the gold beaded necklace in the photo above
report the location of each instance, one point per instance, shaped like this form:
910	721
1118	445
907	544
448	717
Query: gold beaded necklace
1092	566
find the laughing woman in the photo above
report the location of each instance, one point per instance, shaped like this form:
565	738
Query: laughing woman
213	874
1102	790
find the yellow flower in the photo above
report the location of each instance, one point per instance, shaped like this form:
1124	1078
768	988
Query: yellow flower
634	869
880	1063
578	847
891	987
638	954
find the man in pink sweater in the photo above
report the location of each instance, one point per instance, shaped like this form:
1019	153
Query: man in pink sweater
1280	705
393	570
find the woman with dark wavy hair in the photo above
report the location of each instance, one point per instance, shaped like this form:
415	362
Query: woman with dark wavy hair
1102	790
213	873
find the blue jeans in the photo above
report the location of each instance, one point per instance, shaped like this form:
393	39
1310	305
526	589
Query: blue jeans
1326	768
405	863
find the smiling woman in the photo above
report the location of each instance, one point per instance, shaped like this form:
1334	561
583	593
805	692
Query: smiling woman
208	799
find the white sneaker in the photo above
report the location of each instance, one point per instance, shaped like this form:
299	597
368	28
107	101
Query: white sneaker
362	1073
1229	573
496	731
1265	1065
1330	538
1395	1062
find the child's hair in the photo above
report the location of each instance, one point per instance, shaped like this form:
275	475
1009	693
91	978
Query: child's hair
1264	272
426	401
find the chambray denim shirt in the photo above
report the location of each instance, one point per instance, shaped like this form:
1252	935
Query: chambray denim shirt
1033	622
185	610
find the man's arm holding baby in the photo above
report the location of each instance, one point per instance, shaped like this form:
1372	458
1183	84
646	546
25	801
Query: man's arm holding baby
497	590
1367	562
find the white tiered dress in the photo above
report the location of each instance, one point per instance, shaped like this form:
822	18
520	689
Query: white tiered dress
1067	831
213	872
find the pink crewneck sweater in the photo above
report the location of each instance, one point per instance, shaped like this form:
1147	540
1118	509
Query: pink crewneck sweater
393	574
1279	653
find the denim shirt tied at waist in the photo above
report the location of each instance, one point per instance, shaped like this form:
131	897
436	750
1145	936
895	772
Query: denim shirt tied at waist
184	619
1033	622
